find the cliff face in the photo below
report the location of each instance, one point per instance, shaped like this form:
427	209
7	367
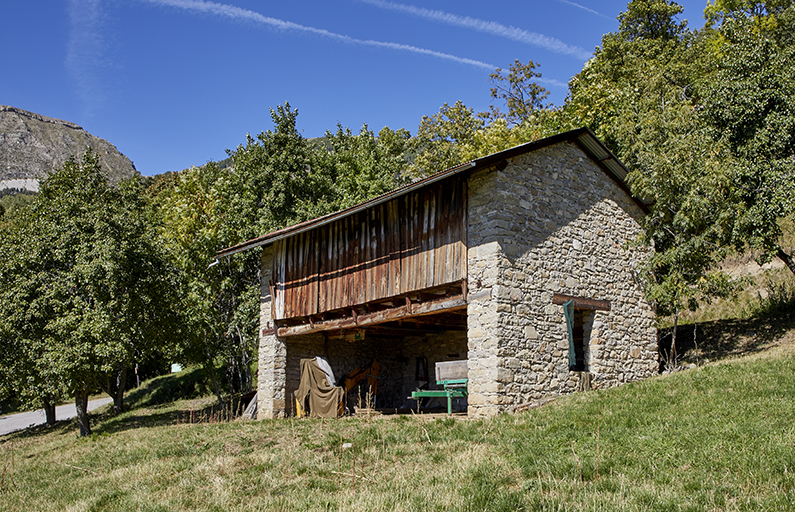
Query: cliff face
31	145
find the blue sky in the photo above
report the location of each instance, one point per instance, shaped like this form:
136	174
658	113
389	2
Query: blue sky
173	83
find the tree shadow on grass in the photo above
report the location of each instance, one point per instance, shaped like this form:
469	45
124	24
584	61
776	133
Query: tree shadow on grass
36	431
143	418
105	422
725	339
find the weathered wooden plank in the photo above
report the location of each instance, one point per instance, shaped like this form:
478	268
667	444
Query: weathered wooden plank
278	279
325	267
446	304
313	268
413	242
430	238
360	274
395	274
581	302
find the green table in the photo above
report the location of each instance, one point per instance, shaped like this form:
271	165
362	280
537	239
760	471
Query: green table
453	388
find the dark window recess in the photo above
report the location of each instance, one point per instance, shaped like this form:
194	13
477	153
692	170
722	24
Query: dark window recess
575	323
578	343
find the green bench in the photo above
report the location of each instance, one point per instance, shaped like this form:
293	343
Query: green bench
452	376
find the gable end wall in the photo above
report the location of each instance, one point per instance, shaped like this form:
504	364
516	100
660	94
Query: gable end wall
560	225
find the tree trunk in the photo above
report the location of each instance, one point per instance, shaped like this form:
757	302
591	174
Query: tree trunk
211	366
49	411
246	363
672	353
787	259
81	404
115	387
121	384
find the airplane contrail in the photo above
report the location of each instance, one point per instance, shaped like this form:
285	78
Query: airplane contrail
489	27
85	51
238	13
584	8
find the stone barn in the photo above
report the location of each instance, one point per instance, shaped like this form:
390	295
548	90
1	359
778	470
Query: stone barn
521	263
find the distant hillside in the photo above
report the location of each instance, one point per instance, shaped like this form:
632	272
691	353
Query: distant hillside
31	145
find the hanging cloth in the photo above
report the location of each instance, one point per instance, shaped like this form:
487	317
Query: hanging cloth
315	392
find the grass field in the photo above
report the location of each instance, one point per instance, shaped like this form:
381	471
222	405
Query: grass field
716	437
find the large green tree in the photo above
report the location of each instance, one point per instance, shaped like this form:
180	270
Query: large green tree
457	134
642	94
750	106
85	289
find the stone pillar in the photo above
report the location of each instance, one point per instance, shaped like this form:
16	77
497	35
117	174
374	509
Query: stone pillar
484	329
271	382
272	378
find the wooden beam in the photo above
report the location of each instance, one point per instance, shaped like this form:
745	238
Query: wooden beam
446	304
581	302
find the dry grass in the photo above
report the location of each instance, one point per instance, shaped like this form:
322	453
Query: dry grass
719	437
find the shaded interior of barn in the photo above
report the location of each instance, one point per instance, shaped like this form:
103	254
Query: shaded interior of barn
406	352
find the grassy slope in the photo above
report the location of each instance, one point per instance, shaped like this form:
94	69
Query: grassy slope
719	437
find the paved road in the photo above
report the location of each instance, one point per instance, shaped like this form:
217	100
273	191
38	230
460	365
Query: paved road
23	420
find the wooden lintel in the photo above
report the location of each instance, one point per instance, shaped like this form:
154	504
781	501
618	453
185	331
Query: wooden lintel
446	304
581	302
268	332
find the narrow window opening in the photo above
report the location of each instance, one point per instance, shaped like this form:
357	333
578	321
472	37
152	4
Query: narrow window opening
578	342
578	323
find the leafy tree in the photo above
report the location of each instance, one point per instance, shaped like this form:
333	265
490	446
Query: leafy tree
718	11
651	20
642	94
520	92
440	139
456	134
85	288
363	166
275	179
194	223
749	104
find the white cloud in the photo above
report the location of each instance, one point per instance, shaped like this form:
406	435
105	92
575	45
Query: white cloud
490	27
237	13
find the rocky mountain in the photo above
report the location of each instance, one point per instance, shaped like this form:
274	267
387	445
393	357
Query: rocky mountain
31	145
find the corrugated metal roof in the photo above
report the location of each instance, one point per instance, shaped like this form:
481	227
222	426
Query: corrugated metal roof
583	137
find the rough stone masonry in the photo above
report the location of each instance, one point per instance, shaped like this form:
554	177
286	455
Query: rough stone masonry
561	225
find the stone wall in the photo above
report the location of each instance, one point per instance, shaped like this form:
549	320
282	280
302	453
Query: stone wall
271	374
562	226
